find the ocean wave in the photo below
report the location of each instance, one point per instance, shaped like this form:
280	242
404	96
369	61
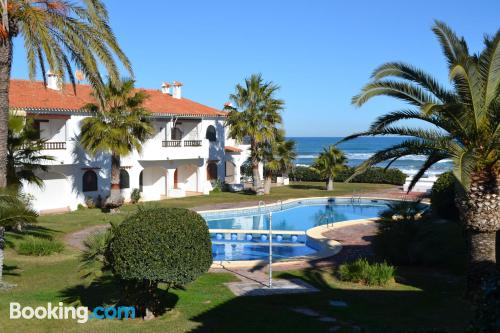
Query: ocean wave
365	156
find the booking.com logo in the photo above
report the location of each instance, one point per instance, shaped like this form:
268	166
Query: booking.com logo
60	312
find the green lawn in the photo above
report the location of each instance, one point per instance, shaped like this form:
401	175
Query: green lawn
420	299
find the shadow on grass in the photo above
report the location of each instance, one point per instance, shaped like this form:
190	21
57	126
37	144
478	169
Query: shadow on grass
11	270
107	291
432	304
307	186
428	300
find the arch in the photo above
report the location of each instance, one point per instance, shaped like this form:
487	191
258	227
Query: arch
141	175
211	134
89	181
124	179
176	178
212	171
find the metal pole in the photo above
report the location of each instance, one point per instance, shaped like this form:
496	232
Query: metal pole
270	250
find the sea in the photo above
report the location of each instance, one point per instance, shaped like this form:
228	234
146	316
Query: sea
360	149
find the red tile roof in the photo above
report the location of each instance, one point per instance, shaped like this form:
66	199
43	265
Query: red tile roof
25	94
231	149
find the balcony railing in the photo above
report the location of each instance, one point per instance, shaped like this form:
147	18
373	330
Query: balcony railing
54	145
181	143
172	143
192	143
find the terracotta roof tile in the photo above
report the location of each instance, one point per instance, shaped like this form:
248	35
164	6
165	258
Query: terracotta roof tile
32	94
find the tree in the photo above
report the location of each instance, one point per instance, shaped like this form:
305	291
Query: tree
57	34
14	210
24	152
466	129
175	250
329	163
118	126
279	157
255	115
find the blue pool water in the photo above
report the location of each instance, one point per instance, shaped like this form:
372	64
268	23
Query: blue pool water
298	216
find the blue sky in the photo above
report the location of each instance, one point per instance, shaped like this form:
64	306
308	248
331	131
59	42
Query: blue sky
319	52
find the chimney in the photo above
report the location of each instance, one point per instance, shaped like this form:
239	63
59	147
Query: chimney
165	88
177	90
54	81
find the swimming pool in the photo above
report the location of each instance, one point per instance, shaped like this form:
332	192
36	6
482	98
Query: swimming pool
242	234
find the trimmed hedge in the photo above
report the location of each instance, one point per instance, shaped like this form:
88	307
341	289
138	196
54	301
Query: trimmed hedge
443	196
372	175
170	245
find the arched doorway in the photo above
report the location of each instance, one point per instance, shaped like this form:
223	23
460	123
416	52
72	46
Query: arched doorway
176	179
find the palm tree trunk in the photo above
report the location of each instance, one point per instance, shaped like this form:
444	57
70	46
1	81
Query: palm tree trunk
480	213
5	68
257	184
267	184
2	246
329	186
115	199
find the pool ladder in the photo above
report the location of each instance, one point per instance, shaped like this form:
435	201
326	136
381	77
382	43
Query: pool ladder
355	198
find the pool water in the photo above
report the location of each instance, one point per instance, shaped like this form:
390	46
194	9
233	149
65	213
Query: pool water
298	216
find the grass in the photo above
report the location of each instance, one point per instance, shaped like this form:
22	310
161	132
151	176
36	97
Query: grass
37	246
416	300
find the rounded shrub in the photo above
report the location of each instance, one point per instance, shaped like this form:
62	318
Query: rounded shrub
443	196
169	245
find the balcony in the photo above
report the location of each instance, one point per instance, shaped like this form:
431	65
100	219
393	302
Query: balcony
182	143
174	150
57	145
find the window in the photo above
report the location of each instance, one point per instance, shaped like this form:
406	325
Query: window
89	181
141	181
212	171
124	179
211	134
176	134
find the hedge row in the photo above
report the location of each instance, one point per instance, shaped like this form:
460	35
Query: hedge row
372	175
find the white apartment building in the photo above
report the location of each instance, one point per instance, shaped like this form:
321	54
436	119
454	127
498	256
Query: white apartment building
188	152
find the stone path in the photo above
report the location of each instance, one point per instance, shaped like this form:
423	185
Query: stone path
75	239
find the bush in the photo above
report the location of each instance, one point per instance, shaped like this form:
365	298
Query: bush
405	237
135	196
372	175
89	202
160	245
443	196
36	246
305	174
361	271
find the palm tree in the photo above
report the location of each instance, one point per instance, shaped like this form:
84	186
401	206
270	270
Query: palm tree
279	157
329	163
119	125
14	210
255	115
57	34
465	123
24	156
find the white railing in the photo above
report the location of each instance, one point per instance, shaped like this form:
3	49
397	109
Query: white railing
181	143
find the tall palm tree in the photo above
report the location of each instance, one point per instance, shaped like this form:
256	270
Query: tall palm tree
57	34
279	157
255	115
465	123
14	210
119	125
329	163
24	157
